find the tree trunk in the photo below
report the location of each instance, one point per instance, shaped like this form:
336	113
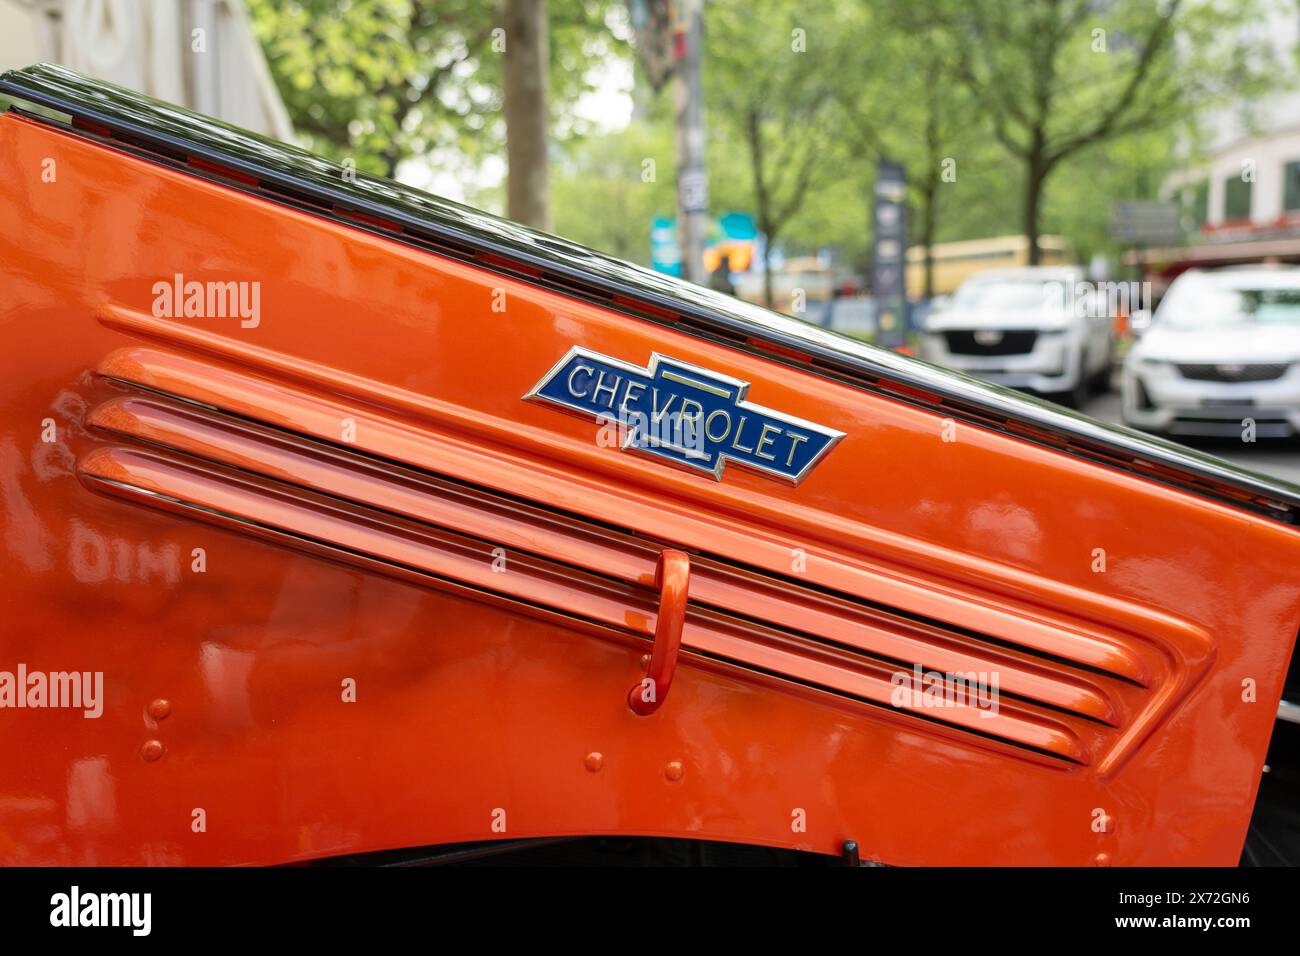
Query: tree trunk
928	218
526	69
930	186
1035	175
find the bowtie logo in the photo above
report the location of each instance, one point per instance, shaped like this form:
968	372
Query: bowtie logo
684	415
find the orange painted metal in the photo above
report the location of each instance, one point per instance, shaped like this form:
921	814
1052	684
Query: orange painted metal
390	603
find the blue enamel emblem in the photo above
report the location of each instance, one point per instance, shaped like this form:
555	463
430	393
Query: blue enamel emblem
684	415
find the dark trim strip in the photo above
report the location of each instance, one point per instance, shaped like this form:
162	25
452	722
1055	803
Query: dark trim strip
290	175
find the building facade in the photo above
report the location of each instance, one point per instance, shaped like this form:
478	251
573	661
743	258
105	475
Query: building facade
1241	201
201	54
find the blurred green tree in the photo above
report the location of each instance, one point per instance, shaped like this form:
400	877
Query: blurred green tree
608	189
898	102
380	81
769	80
1052	79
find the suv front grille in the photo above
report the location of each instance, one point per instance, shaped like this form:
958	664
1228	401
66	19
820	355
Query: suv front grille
990	342
1234	372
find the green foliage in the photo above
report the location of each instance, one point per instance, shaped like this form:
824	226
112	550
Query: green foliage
373	79
380	81
603	198
1078	73
606	190
766	86
1062	85
802	100
1082	190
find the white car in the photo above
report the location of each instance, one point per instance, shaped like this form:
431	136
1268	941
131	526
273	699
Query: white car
1222	355
1035	328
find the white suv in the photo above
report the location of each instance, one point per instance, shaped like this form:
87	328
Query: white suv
1222	354
1033	328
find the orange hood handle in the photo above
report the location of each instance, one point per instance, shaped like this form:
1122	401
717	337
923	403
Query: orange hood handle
672	578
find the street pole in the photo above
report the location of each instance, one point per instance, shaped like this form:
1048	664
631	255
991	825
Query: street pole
692	180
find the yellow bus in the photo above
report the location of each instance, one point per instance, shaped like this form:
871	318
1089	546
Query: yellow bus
955	262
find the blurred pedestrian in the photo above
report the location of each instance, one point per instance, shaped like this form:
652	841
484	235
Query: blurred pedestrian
720	278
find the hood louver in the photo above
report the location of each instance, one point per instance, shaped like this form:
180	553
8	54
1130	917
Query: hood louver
197	438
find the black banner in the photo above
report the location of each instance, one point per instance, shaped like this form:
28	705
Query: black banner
332	903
